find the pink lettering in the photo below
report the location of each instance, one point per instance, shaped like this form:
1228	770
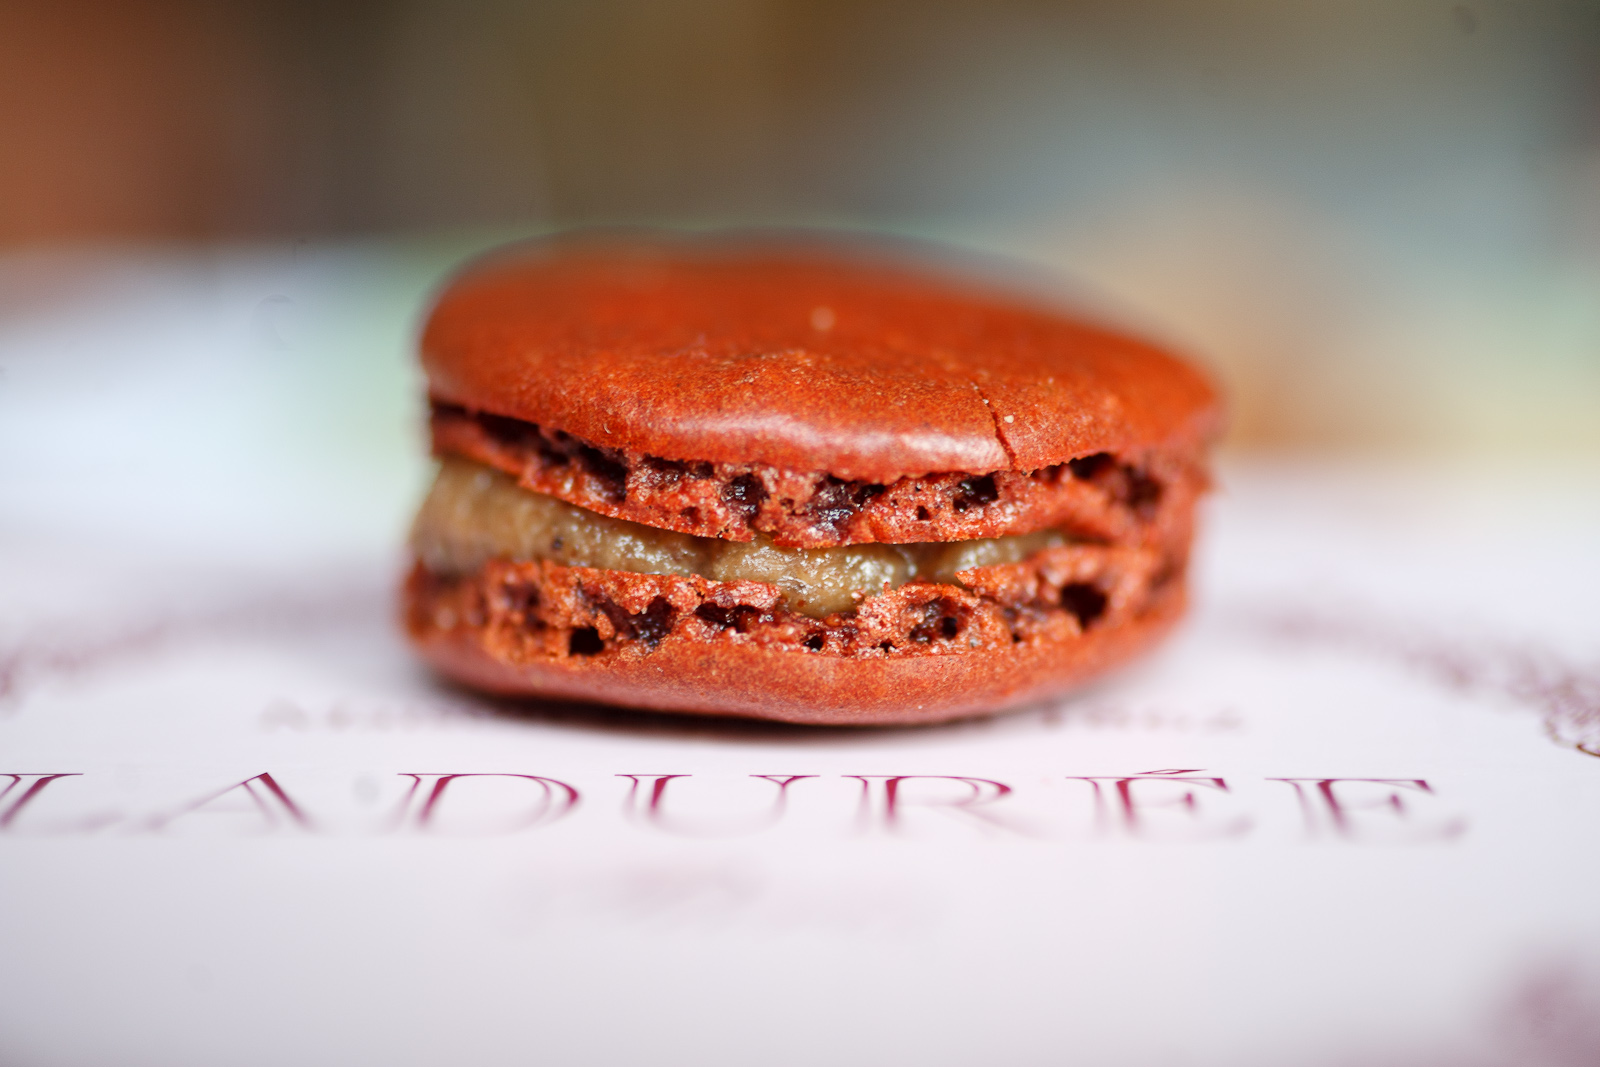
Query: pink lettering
20	791
885	806
1369	809
647	804
260	800
1163	804
482	810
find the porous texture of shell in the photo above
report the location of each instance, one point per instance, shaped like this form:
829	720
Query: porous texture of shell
1129	498
920	653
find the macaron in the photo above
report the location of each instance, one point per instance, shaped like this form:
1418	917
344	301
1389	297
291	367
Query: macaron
786	480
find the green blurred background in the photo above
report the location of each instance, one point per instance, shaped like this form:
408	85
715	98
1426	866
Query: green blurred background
1378	219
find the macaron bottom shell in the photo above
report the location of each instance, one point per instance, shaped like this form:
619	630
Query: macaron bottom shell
746	680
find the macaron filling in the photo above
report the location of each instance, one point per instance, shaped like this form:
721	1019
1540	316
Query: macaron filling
474	514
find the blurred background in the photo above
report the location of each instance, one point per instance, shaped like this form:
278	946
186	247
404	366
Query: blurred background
1378	219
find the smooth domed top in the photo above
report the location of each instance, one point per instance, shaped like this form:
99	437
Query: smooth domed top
868	370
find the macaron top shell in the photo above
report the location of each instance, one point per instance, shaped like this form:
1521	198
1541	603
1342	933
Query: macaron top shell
867	370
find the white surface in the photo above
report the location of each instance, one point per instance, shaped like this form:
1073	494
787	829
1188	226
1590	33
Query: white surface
199	519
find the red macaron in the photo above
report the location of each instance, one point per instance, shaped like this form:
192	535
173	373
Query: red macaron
767	479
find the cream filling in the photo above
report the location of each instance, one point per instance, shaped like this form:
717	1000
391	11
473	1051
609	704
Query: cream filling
474	514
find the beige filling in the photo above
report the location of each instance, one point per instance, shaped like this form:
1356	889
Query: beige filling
474	514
